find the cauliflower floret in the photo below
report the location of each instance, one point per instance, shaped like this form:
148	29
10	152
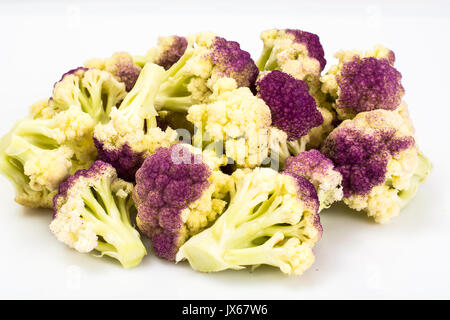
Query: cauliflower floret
363	82
92	212
298	53
121	65
379	161
41	152
207	59
295	112
179	192
132	132
319	170
271	219
236	119
95	91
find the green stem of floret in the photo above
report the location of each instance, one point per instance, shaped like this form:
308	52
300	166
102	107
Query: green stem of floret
176	67
173	94
22	150
244	201
10	168
40	132
140	100
297	146
255	255
140	60
91	101
13	169
120	240
175	104
246	233
289	231
262	60
96	210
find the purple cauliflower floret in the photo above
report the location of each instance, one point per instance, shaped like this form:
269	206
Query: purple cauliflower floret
214	58
361	152
379	161
293	110
294	113
367	84
319	170
312	43
121	65
233	62
362	158
176	195
124	159
306	191
170	49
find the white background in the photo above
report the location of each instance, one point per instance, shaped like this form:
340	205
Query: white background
408	258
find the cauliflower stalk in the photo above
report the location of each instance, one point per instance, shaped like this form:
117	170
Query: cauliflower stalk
271	219
92	212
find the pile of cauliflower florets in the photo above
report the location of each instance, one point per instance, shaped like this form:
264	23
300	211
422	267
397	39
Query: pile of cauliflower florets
220	160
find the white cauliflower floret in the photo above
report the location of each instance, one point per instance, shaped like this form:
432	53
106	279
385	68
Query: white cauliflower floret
71	229
122	130
92	212
94	91
48	150
236	118
48	170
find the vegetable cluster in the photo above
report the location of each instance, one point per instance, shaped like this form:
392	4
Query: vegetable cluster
219	160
